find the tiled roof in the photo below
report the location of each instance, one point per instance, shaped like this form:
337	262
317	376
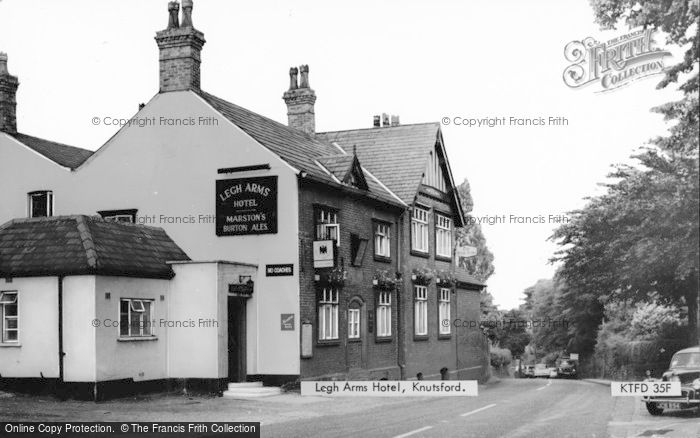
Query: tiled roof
67	156
396	155
340	165
300	150
85	245
293	146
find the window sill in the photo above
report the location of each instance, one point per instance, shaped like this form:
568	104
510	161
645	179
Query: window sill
354	340
443	258
137	338
425	255
421	338
383	259
10	344
444	336
383	339
328	343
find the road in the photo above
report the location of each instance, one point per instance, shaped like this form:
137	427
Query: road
510	409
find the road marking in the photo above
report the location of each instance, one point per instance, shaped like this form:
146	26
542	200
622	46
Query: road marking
413	432
478	410
543	387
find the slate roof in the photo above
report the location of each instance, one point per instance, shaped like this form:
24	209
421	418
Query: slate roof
295	147
66	156
340	165
85	245
302	151
396	155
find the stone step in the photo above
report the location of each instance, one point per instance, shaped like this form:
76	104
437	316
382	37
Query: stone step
232	386
252	392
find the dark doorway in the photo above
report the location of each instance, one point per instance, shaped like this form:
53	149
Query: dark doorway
236	339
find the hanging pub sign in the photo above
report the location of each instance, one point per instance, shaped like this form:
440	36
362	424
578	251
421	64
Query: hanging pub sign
246	206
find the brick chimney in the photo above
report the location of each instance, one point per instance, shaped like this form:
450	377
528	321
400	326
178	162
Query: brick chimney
300	101
180	45
8	101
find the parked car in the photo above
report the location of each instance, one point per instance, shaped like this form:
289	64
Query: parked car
567	369
541	370
552	372
684	368
528	371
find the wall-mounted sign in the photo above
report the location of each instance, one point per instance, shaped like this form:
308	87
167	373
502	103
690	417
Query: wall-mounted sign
279	270
241	290
324	254
287	321
246	206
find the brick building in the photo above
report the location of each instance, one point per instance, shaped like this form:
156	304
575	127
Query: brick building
347	236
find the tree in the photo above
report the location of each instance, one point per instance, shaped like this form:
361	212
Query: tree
481	265
641	236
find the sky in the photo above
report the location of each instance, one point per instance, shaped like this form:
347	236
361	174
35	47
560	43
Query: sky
422	60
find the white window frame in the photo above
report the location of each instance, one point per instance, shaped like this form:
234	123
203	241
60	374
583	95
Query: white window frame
420	316
5	302
328	315
419	229
443	236
327	227
49	202
444	311
354	323
382	239
384	314
137	305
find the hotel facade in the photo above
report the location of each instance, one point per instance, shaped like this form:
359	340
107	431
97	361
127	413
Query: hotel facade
280	253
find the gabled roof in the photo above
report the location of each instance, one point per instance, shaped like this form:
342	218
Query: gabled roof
396	155
340	165
295	147
85	245
300	150
67	156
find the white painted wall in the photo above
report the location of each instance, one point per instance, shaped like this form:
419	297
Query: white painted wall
195	352
170	171
36	354
138	360
79	362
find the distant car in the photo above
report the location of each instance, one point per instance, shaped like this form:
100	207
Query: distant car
552	372
567	369
684	368
528	371
541	370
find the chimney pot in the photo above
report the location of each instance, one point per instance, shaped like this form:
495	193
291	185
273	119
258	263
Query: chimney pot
141	106
3	63
385	119
173	8
186	13
304	69
293	73
394	120
377	121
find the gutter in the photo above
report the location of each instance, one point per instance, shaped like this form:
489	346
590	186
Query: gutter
61	353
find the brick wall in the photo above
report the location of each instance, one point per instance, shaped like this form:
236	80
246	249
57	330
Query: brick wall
369	358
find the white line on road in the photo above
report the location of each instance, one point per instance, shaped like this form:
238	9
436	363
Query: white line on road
543	387
478	410
413	432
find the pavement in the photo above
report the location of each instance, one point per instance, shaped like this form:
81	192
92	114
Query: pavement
510	408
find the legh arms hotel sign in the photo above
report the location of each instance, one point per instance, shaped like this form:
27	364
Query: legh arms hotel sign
246	206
